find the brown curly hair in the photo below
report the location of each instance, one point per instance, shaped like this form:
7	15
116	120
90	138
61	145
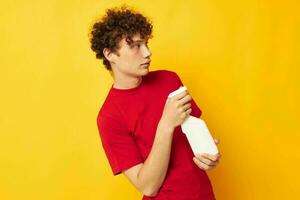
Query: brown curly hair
116	24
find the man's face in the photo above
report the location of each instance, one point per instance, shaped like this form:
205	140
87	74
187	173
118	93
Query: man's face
131	58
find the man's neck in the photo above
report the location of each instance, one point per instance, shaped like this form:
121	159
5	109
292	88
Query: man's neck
126	82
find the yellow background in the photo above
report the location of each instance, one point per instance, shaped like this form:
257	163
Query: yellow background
239	59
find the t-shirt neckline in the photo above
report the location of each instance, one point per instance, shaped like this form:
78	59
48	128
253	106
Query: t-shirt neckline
126	91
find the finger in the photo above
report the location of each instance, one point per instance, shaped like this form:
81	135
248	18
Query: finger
210	157
186	106
207	161
180	95
217	141
201	165
188	111
185	99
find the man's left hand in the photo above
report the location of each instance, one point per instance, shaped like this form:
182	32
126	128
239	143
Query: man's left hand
207	161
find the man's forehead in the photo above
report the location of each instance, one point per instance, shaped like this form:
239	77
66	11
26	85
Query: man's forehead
135	39
139	40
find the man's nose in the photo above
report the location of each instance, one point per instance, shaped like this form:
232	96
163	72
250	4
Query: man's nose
146	52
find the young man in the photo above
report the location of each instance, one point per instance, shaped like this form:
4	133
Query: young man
138	125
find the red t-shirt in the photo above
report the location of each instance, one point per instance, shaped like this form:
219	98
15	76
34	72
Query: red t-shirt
127	123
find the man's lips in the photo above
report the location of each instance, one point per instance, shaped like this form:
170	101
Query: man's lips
146	63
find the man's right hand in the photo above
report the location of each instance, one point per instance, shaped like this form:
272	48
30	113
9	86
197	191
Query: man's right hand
176	109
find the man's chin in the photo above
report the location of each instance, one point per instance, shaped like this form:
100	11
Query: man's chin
145	71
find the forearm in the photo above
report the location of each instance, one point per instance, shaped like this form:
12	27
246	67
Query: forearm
154	169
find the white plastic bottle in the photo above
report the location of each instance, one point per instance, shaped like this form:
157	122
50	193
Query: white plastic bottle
197	132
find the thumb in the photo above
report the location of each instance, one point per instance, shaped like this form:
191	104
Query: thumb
217	141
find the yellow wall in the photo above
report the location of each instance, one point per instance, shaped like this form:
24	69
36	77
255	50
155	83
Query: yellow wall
239	59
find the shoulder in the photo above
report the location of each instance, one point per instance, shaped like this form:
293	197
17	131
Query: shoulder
109	113
164	74
110	124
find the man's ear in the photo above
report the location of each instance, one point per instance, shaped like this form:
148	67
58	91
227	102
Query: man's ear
109	55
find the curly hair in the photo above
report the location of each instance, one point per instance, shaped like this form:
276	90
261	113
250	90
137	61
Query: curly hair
116	24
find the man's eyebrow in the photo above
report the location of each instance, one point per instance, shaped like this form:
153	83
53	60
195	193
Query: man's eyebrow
137	41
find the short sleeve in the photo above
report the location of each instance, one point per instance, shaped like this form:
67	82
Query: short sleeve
196	111
118	144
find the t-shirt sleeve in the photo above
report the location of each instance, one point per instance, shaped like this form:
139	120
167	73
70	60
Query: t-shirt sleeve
196	111
118	144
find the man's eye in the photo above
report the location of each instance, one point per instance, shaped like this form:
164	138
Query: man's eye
135	45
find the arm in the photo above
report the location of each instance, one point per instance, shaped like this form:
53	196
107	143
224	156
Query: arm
149	176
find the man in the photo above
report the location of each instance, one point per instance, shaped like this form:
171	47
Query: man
138	125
